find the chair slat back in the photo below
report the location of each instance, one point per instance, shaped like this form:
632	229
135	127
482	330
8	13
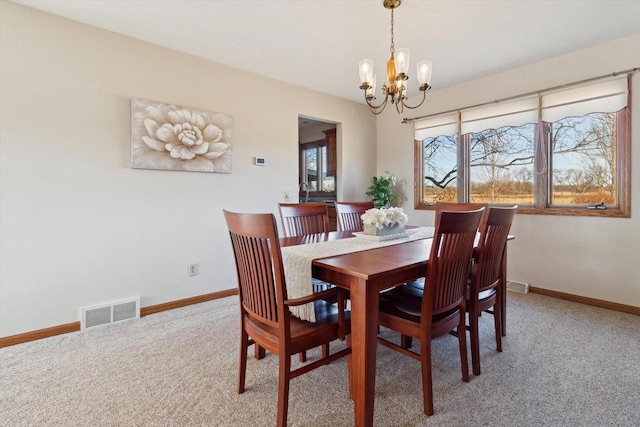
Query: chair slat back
256	249
450	260
493	240
304	218
349	214
460	207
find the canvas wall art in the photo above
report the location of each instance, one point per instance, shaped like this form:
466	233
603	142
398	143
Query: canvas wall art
172	137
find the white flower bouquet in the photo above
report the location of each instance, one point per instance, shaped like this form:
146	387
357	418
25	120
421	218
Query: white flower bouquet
384	221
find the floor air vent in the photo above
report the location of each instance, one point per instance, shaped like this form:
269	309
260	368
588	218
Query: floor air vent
517	286
109	313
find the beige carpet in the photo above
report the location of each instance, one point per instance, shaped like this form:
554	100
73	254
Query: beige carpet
563	364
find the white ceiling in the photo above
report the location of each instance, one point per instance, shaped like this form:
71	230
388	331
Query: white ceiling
318	43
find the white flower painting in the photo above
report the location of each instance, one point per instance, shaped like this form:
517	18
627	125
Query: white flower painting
172	137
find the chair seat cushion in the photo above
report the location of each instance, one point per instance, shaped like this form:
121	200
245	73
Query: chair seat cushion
416	289
406	299
306	335
418	284
406	302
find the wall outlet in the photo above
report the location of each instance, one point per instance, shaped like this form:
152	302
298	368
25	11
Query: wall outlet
287	196
194	270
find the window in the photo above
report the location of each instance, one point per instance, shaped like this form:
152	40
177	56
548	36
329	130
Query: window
584	160
501	165
556	152
440	153
314	166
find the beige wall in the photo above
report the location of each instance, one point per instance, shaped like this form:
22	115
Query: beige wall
78	226
593	257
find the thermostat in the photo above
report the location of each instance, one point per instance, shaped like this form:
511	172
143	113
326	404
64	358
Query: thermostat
260	161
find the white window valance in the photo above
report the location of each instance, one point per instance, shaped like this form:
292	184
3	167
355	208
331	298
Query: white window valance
606	95
516	112
435	126
603	97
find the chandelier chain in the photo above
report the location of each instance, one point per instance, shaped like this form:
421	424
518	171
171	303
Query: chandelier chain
393	48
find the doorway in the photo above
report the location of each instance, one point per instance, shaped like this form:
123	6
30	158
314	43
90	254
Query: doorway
317	158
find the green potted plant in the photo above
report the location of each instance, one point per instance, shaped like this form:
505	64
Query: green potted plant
381	189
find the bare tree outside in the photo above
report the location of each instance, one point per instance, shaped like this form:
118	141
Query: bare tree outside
440	168
584	159
502	165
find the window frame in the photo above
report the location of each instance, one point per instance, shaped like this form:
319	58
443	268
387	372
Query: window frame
318	146
542	182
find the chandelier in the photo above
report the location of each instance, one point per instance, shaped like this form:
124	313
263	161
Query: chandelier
397	67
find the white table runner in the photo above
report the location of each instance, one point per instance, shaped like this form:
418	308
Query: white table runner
297	262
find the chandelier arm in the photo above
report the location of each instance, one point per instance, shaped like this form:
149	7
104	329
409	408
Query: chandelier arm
380	108
400	107
373	108
424	96
375	112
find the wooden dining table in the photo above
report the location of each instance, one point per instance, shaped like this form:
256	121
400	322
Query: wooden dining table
365	274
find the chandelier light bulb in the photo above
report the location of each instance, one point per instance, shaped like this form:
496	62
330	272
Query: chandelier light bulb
401	58
424	72
366	71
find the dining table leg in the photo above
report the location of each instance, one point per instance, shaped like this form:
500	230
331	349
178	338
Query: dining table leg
364	342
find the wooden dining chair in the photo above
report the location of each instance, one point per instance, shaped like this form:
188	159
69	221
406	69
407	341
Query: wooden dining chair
304	218
485	289
452	207
442	306
265	319
349	214
461	207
